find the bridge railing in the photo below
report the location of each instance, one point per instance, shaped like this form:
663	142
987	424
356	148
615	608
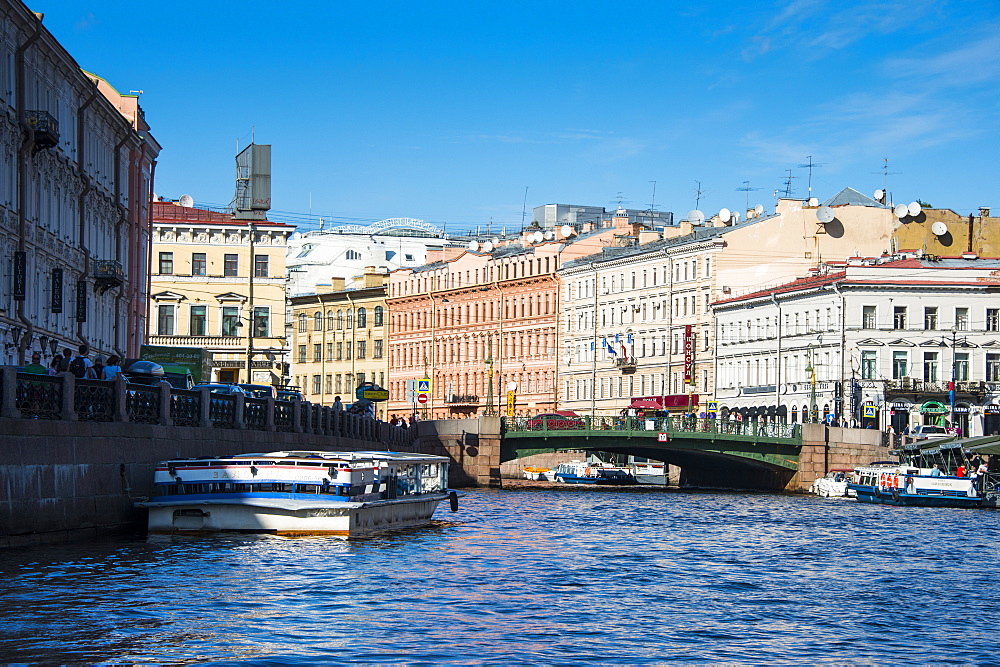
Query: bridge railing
674	424
64	397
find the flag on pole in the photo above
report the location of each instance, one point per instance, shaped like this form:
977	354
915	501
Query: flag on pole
609	348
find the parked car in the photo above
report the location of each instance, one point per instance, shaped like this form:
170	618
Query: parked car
566	420
928	432
220	388
259	390
290	395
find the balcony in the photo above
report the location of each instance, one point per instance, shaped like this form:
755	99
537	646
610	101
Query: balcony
914	386
108	273
462	399
45	129
627	365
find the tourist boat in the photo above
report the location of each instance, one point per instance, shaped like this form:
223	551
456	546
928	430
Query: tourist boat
891	483
537	474
592	472
834	485
649	472
299	492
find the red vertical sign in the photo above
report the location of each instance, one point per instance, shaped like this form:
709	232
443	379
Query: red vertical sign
688	354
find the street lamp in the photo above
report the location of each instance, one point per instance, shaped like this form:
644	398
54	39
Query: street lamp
811	370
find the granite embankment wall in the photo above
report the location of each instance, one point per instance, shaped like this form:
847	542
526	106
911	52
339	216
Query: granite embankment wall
62	480
825	448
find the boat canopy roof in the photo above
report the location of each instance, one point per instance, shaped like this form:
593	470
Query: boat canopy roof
394	457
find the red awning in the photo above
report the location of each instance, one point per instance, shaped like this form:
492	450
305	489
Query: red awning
664	402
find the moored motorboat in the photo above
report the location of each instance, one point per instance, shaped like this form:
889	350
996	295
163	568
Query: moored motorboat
289	493
592	472
834	485
901	484
537	474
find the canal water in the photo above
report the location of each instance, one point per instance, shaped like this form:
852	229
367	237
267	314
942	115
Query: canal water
532	576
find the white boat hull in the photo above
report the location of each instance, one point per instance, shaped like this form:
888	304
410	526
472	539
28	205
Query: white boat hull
288	517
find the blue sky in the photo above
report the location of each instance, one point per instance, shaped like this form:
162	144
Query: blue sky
446	111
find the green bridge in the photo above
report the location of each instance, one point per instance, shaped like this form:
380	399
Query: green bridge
710	452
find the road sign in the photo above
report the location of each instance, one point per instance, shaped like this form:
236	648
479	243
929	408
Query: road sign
424	386
663	437
713	406
375	394
869	411
421	398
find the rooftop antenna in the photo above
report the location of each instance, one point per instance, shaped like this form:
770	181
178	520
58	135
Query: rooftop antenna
747	189
885	178
652	206
788	184
524	206
810	164
698	192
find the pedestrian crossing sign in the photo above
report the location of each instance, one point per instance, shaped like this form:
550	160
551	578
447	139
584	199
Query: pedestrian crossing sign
869	411
424	386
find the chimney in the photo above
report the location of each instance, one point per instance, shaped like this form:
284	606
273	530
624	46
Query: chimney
337	284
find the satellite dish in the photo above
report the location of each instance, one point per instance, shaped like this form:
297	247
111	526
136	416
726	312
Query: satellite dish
813	201
549	235
879	194
473	246
488	246
939	229
825	214
736	216
913	209
725	214
495	241
187	201
537	237
696	217
759	209
901	211
566	230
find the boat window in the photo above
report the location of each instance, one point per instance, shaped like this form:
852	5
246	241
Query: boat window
310	463
263	463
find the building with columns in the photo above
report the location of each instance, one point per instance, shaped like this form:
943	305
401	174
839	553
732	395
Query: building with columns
76	171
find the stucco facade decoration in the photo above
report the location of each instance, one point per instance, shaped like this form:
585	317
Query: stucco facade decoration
218	284
889	342
340	339
478	322
346	250
76	171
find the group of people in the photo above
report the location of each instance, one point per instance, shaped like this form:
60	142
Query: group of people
80	365
402	421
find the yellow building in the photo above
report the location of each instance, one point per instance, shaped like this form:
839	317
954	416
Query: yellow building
340	339
218	284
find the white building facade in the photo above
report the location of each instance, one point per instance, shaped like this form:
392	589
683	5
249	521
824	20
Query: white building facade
893	342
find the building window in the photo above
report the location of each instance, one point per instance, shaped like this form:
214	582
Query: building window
899	317
930	366
868	317
329	384
869	364
350	318
261	321
331	320
338	383
199	264
231	265
230	320
377	352
899	365
993	319
930	317
352	254
317	321
340	350
329	351
360	378
166	263
362	349
165	320
362	318
302	354
260	266
317	352
962	319
349	347
199	320
317	386
993	367
340	320
379	315
962	366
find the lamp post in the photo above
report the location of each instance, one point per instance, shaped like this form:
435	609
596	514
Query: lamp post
811	370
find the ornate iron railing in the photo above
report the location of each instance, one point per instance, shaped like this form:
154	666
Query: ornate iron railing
142	403
94	401
255	413
38	396
283	412
185	407
676	424
222	411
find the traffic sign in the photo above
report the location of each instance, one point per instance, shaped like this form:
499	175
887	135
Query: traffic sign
421	398
713	406
663	437
869	411
375	394
424	386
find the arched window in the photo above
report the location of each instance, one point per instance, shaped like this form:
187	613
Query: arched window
379	314
350	318
340	320
317	321
303	319
331	320
362	318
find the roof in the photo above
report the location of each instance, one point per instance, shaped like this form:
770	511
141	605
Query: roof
172	212
794	286
851	197
619	252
